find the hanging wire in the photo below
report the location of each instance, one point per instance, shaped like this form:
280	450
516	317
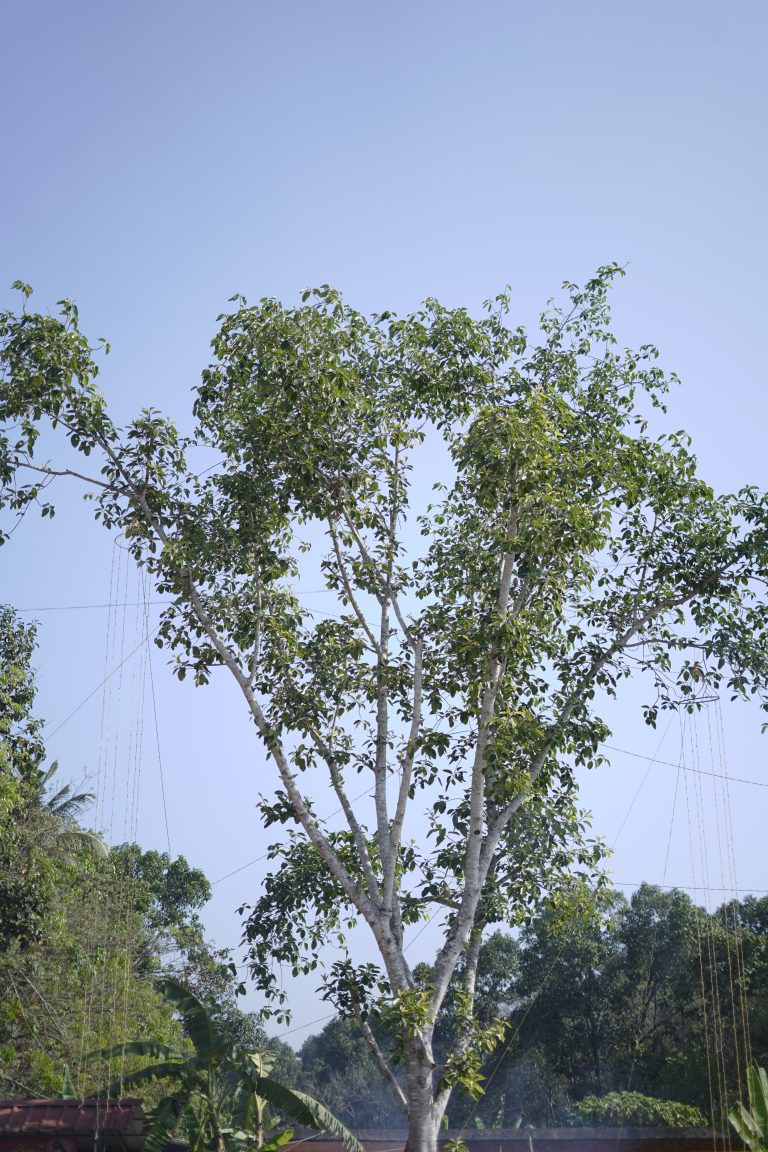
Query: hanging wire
656	926
122	963
719	802
153	694
110	742
731	841
704	1007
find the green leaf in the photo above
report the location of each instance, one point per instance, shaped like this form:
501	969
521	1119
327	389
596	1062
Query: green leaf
304	1110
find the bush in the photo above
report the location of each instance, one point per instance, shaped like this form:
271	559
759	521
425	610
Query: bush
632	1109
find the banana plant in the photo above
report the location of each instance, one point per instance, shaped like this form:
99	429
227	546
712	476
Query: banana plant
751	1125
219	1092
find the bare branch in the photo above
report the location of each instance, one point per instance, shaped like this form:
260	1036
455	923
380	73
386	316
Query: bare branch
62	472
381	1064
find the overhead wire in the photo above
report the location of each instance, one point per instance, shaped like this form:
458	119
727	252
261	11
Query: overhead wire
731	841
689	768
651	761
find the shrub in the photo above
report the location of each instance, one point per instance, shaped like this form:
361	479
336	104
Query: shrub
617	1109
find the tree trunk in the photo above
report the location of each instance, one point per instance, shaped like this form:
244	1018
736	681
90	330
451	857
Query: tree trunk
422	1120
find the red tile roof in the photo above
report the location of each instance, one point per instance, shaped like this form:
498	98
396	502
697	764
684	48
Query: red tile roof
71	1117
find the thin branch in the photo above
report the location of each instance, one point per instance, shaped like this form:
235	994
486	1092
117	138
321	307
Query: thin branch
62	472
301	812
256	656
354	826
381	1063
368	559
348	589
395	834
39	995
382	743
618	645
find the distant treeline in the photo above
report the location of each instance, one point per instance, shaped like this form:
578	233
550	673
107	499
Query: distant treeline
649	994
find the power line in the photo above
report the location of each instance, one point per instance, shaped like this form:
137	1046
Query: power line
688	887
140	603
141	643
687	768
652	760
84	607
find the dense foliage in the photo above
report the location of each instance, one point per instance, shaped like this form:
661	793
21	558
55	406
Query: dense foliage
84	933
632	1109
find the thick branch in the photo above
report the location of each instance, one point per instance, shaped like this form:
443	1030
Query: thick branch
468	983
473	881
462	925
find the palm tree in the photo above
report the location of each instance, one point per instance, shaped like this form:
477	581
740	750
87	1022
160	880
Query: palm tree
220	1092
59	811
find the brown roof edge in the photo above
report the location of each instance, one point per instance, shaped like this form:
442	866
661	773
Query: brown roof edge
522	1134
71	1116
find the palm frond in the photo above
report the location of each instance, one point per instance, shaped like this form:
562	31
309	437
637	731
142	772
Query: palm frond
199	1024
148	1048
163	1122
751	1125
305	1110
77	841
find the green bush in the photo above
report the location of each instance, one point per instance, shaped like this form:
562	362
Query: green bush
632	1109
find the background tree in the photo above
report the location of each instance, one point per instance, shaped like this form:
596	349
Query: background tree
625	1001
568	548
85	933
337	1066
25	881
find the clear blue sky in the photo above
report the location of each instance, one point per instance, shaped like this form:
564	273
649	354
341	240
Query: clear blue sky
157	157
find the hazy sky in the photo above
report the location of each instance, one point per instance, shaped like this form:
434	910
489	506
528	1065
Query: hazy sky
158	157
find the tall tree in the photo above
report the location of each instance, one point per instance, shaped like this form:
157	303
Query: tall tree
566	548
25	885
